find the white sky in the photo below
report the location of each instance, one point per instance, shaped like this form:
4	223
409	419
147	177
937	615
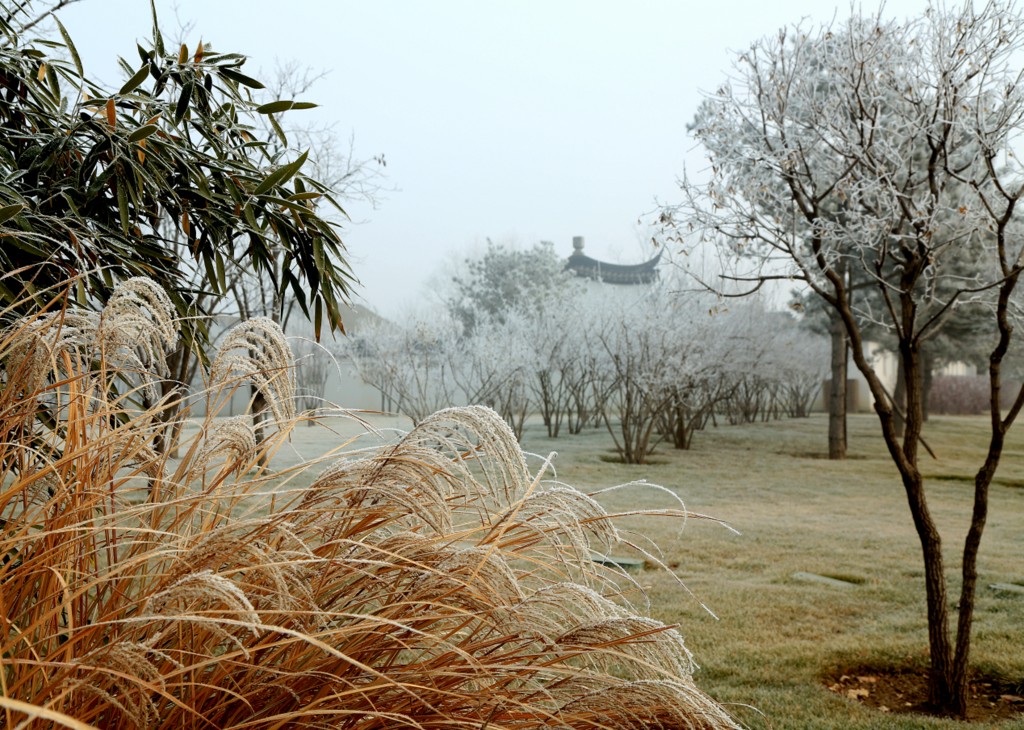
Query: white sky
518	120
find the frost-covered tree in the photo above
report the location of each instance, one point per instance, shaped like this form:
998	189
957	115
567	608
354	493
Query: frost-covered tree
493	364
410	362
799	361
870	93
554	360
639	364
661	362
505	279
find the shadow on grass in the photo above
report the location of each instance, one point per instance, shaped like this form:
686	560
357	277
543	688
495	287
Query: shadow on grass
822	455
618	459
969	480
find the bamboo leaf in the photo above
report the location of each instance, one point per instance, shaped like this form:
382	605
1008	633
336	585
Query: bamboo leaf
281	175
143	132
277	128
296	207
221	275
211	272
239	77
122	205
183	54
318	253
51	79
249	216
274	107
182	106
133	83
158	39
9	211
70	46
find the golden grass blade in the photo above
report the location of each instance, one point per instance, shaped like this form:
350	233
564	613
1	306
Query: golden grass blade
42	713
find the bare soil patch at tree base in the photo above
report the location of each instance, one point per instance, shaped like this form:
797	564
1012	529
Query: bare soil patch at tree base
905	691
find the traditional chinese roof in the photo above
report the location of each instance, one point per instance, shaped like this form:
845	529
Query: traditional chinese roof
627	274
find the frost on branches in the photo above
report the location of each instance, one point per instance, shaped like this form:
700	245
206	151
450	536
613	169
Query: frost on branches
874	161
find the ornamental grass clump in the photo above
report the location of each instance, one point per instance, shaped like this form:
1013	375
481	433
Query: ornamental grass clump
431	583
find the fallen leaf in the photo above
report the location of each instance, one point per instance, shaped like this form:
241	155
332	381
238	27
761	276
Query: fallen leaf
1011	698
867	680
856	694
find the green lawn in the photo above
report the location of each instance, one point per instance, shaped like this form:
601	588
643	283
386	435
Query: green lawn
777	636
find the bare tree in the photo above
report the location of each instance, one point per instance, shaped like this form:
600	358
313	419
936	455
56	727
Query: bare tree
640	360
411	363
815	122
800	361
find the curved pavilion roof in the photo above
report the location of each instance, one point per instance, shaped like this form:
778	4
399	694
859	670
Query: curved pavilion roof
582	265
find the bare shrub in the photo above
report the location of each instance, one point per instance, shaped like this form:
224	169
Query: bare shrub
959	394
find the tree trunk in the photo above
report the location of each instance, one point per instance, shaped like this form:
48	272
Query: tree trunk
957	698
927	364
942	686
837	393
899	397
947	672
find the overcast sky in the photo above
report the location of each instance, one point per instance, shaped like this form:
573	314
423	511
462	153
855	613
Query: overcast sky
517	120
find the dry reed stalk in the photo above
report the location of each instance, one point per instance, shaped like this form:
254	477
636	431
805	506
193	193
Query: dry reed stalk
433	583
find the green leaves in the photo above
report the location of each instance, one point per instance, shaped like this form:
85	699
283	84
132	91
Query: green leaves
70	46
133	83
274	107
239	78
9	211
281	175
182	106
283	105
158	40
178	171
122	206
142	132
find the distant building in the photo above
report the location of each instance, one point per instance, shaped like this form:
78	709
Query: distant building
626	274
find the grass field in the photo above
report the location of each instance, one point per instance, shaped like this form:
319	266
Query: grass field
777	637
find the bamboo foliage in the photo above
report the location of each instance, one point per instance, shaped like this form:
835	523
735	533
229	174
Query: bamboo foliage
435	582
179	168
